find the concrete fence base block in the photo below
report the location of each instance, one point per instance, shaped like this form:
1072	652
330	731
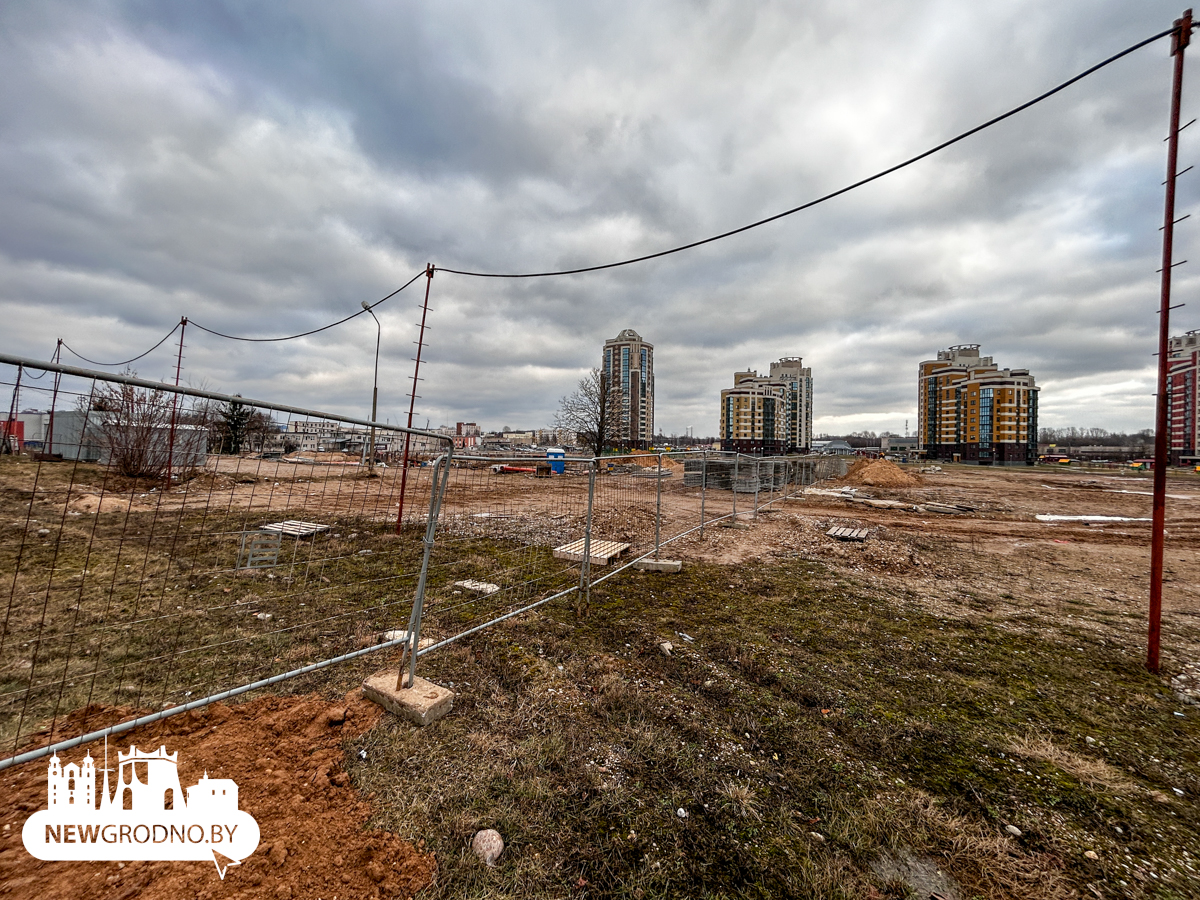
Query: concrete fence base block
422	704
659	565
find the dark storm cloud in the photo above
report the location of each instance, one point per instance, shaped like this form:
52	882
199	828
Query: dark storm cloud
262	168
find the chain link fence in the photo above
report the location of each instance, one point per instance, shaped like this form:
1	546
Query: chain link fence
517	532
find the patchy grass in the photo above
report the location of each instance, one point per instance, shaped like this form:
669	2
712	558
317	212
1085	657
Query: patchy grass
825	733
144	606
812	727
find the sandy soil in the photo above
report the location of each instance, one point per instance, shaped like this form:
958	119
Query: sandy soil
994	547
285	754
992	557
997	558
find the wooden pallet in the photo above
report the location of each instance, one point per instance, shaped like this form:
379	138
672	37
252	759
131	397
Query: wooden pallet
847	534
601	551
293	528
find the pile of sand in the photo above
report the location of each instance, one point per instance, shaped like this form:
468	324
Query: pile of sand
650	460
881	473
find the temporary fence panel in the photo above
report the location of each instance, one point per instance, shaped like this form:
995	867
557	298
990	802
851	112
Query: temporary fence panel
513	534
164	545
503	521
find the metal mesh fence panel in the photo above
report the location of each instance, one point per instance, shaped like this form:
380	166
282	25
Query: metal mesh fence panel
158	546
517	532
163	547
502	519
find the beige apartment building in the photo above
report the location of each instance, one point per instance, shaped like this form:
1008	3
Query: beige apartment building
769	414
970	410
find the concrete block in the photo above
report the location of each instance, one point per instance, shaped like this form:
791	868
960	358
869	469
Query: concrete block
659	565
422	704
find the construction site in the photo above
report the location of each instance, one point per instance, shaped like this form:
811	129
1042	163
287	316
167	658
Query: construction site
672	674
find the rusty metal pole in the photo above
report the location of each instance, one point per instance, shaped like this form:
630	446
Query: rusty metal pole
175	403
369	451
412	400
1179	42
49	442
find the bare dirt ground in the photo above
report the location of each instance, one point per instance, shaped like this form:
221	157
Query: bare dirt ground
956	704
285	755
998	560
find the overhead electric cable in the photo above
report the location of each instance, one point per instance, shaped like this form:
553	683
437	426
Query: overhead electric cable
292	337
850	187
126	362
43	375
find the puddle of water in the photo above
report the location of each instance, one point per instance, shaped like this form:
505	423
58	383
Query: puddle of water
1055	487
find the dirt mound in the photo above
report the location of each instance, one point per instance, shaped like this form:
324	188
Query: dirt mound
650	460
881	473
91	503
285	753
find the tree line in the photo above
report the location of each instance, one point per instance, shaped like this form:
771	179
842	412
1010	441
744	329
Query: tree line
1096	437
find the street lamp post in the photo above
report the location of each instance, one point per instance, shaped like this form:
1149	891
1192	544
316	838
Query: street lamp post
370	449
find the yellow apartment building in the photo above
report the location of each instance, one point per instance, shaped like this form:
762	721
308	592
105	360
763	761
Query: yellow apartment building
970	410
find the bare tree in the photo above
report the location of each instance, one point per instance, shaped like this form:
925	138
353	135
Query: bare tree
591	411
131	425
260	428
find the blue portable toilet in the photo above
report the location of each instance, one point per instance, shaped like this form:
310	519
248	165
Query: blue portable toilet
556	455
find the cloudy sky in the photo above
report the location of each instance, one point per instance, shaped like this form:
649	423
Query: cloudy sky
263	168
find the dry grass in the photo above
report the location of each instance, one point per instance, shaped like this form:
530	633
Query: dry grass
815	725
1088	770
741	799
825	715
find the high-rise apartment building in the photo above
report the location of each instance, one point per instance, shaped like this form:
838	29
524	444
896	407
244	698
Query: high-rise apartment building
971	410
769	414
628	368
1183	362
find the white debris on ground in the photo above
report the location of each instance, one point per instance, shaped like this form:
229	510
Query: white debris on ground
487	845
1051	518
480	587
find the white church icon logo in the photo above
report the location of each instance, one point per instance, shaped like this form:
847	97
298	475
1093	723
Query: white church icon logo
146	818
